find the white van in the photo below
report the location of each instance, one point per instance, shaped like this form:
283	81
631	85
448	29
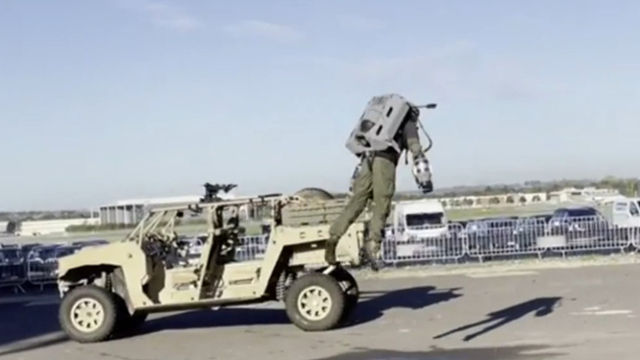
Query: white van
418	230
623	212
419	219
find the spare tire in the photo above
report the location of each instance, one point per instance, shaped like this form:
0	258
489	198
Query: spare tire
312	193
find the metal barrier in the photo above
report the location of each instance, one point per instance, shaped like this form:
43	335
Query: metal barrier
632	235
505	237
419	243
13	271
476	240
42	263
248	248
494	238
586	235
251	248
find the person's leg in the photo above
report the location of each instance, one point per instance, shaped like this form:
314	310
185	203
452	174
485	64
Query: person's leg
362	192
384	187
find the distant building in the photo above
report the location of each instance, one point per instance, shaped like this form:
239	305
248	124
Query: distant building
587	195
48	227
129	212
471	201
590	194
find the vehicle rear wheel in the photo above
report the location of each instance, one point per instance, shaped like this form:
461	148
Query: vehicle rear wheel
88	314
315	302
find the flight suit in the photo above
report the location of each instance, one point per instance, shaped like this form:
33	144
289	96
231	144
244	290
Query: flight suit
376	181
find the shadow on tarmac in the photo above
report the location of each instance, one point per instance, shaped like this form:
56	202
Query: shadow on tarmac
372	306
540	307
20	322
37	327
25	324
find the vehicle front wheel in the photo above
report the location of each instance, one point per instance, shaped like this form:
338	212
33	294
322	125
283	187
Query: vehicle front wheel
88	314
315	302
350	287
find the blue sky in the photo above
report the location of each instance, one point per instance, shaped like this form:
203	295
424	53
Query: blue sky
110	99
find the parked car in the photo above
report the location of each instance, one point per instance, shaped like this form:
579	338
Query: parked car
26	248
492	235
581	226
86	243
420	229
529	228
191	247
43	260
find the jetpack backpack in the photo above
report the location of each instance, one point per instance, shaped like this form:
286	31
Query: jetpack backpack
379	124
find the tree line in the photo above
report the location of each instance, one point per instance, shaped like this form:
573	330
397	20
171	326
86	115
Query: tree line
625	186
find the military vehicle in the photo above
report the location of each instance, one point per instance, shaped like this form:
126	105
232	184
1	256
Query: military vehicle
110	290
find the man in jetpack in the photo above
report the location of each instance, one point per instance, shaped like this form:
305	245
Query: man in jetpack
387	128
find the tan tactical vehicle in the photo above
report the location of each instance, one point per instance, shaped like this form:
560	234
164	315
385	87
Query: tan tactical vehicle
113	287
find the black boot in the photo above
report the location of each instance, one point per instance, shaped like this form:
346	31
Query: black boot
330	252
372	257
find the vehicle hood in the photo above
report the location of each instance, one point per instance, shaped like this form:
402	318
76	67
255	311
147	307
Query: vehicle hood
115	254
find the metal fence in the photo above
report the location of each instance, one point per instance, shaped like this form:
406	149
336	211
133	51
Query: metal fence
12	268
33	264
485	240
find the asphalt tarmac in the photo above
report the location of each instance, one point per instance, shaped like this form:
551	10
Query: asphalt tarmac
578	313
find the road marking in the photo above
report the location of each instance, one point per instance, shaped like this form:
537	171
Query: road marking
43	302
20	299
501	274
604	312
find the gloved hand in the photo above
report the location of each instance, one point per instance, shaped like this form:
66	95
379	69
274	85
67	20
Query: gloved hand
421	171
